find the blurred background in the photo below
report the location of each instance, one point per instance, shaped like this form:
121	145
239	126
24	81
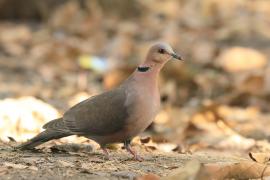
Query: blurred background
54	54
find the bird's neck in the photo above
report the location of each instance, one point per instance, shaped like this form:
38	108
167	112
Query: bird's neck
147	75
148	72
150	66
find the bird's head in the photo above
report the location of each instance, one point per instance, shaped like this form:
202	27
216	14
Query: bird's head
158	55
162	52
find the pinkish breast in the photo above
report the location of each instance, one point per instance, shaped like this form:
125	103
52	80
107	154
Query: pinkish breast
146	103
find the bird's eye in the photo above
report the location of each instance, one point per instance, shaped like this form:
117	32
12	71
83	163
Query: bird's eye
161	51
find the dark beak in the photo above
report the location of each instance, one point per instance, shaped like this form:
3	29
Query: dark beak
176	56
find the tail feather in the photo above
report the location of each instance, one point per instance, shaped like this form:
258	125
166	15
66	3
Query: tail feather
41	138
47	135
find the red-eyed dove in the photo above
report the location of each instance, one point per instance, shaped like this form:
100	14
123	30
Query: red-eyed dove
117	115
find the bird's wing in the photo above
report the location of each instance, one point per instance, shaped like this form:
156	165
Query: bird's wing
56	125
99	115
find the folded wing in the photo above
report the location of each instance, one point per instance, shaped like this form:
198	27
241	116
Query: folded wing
99	115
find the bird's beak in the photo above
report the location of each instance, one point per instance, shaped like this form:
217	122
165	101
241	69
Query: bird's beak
176	56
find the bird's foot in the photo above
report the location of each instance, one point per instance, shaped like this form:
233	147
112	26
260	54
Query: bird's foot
106	153
133	152
136	157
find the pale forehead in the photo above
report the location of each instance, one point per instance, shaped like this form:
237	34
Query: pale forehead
163	46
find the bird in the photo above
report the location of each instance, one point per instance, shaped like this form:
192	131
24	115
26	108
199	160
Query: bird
117	115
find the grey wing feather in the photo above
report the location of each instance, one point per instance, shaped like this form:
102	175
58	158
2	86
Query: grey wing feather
99	115
56	125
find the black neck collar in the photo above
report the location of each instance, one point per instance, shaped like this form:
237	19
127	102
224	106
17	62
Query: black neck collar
143	69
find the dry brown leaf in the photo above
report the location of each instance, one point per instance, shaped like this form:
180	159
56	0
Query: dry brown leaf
166	147
240	170
26	122
260	157
188	172
239	59
148	177
236	141
145	140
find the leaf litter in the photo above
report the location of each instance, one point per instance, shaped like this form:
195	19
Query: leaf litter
215	113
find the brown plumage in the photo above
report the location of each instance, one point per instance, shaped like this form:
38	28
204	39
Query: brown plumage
117	115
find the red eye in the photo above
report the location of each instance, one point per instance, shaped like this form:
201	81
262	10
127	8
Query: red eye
161	51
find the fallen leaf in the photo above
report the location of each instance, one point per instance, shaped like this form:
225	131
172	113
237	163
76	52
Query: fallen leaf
148	177
145	140
166	147
11	139
188	172
260	157
238	59
240	170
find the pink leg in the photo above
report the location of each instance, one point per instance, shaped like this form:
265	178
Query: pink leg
106	153
131	151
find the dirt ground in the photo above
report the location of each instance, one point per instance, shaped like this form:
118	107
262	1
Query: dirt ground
92	165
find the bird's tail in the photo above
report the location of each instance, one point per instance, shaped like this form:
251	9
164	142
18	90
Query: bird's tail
47	135
41	138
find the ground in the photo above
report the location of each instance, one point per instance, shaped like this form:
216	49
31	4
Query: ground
92	165
215	104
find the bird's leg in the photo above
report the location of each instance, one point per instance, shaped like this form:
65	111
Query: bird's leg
106	153
131	151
